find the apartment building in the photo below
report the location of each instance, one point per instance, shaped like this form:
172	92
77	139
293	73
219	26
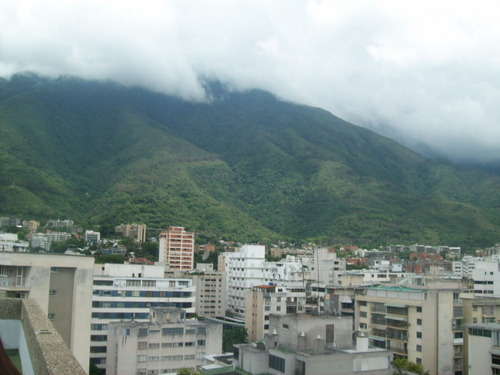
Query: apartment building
92	237
247	268
165	344
264	300
244	270
301	344
11	242
176	248
210	289
31	225
62	287
421	324
483	342
486	276
135	231
126	292
476	311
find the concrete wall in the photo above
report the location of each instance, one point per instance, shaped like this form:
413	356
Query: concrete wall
38	277
48	352
312	326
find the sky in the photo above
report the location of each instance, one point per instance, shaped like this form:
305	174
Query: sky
425	73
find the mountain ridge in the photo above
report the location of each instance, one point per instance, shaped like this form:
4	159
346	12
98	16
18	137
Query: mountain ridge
243	166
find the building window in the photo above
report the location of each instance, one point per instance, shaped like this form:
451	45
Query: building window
3	271
187	357
201	342
277	363
154	346
285	326
362	303
51	316
419	309
300	367
142	332
153	359
142	358
363	314
142	345
419	322
52	292
419	348
278	308
173	331
419	335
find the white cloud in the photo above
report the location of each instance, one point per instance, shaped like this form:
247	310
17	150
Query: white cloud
422	72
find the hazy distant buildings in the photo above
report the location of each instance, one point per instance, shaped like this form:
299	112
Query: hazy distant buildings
10	242
176	248
135	231
60	223
31	225
92	237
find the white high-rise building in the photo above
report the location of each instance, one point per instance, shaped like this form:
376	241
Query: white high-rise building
248	268
127	292
244	270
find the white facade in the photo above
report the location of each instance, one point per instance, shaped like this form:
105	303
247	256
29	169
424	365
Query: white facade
11	242
244	270
483	347
323	266
126	292
486	278
91	236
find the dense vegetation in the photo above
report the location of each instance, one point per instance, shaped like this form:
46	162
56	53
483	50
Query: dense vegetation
243	166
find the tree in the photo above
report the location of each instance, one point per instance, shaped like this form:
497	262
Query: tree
402	365
187	371
109	258
231	336
107	230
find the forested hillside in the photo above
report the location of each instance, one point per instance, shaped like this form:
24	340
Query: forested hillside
244	166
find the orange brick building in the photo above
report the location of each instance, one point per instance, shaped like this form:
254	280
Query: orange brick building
176	247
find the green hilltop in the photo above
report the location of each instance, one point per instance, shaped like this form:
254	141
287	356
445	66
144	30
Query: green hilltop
243	166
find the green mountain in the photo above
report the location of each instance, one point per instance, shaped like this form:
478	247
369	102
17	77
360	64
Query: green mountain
243	166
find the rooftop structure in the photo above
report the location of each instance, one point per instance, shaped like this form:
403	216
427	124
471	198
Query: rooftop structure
165	344
311	345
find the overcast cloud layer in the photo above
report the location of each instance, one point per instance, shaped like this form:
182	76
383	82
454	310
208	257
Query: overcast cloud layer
425	73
